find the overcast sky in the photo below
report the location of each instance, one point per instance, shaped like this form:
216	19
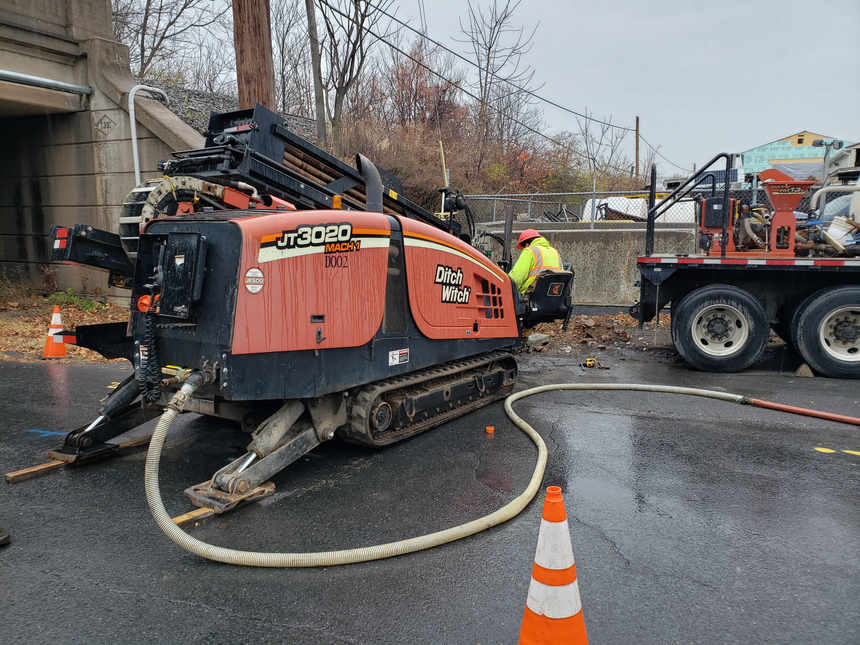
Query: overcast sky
703	78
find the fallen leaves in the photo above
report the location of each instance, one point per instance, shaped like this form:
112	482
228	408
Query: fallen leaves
24	328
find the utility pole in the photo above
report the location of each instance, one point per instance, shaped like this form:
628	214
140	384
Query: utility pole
316	72
252	38
637	147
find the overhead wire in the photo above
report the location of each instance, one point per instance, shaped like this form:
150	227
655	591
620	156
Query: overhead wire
471	95
657	152
609	124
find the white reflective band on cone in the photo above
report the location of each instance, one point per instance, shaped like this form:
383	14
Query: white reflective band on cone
56	319
554	550
554	602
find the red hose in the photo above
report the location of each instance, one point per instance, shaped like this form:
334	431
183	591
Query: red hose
805	411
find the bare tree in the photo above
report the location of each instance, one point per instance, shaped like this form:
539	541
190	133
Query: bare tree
603	149
422	86
292	61
503	103
209	62
348	25
158	32
316	72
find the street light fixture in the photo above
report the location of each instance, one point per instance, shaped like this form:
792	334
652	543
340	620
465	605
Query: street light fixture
828	145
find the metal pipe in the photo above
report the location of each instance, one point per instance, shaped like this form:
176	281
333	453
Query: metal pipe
251	457
831	189
372	183
47	83
652	202
134	90
494	202
593	201
530	203
726	209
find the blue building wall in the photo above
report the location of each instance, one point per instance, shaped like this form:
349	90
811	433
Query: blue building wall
797	146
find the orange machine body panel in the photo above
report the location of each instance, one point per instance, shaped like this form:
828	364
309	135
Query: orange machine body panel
784	196
310	280
454	291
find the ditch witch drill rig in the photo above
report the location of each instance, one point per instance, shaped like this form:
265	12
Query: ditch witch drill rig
306	298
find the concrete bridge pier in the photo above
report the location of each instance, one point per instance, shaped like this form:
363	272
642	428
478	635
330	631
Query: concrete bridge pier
65	133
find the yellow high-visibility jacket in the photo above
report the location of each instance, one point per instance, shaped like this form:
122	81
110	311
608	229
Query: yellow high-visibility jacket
538	255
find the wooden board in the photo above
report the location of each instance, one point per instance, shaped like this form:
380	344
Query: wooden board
34	471
55	465
193	517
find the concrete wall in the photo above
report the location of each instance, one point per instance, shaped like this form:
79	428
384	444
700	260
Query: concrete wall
67	158
71	20
603	258
66	169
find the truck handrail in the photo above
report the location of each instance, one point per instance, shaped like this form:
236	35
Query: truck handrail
676	194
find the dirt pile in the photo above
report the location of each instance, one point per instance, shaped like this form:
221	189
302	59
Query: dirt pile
603	332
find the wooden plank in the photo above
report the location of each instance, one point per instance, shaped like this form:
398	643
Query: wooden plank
34	471
134	443
53	466
193	517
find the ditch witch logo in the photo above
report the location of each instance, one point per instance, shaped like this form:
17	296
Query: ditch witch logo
452	285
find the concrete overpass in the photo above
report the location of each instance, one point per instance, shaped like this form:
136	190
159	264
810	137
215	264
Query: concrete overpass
66	153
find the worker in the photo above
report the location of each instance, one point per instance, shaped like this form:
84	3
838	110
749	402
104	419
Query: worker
536	255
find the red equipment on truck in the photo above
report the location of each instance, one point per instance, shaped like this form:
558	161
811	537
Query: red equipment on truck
308	297
758	268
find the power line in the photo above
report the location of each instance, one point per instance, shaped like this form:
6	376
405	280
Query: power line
521	89
469	94
474	64
657	152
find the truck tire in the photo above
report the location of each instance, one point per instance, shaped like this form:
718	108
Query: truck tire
719	328
826	331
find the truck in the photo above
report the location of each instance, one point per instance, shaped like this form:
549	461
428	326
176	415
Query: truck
757	268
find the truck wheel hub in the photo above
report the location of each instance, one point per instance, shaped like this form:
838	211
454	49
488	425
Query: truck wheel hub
718	328
846	330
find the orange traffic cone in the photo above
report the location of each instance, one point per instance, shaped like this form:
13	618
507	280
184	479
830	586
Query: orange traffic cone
553	608
54	345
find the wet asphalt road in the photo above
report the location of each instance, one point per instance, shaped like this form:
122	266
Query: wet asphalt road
692	521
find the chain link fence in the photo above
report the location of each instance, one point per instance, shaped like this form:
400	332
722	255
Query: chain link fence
629	206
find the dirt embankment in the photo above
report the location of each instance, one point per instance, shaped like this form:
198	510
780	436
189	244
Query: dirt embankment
24	324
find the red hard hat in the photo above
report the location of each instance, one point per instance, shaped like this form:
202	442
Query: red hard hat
526	236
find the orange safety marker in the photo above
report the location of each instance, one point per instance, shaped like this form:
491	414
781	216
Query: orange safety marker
491	429
553	609
55	348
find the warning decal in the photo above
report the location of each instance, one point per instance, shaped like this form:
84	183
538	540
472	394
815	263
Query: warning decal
398	357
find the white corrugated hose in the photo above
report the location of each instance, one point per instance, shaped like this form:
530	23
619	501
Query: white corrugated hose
364	554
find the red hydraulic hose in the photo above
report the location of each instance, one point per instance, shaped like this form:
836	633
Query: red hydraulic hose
805	411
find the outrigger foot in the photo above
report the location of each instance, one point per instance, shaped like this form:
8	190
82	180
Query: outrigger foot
278	442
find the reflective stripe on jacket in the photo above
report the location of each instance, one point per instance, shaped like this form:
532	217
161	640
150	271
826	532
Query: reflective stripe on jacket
535	257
